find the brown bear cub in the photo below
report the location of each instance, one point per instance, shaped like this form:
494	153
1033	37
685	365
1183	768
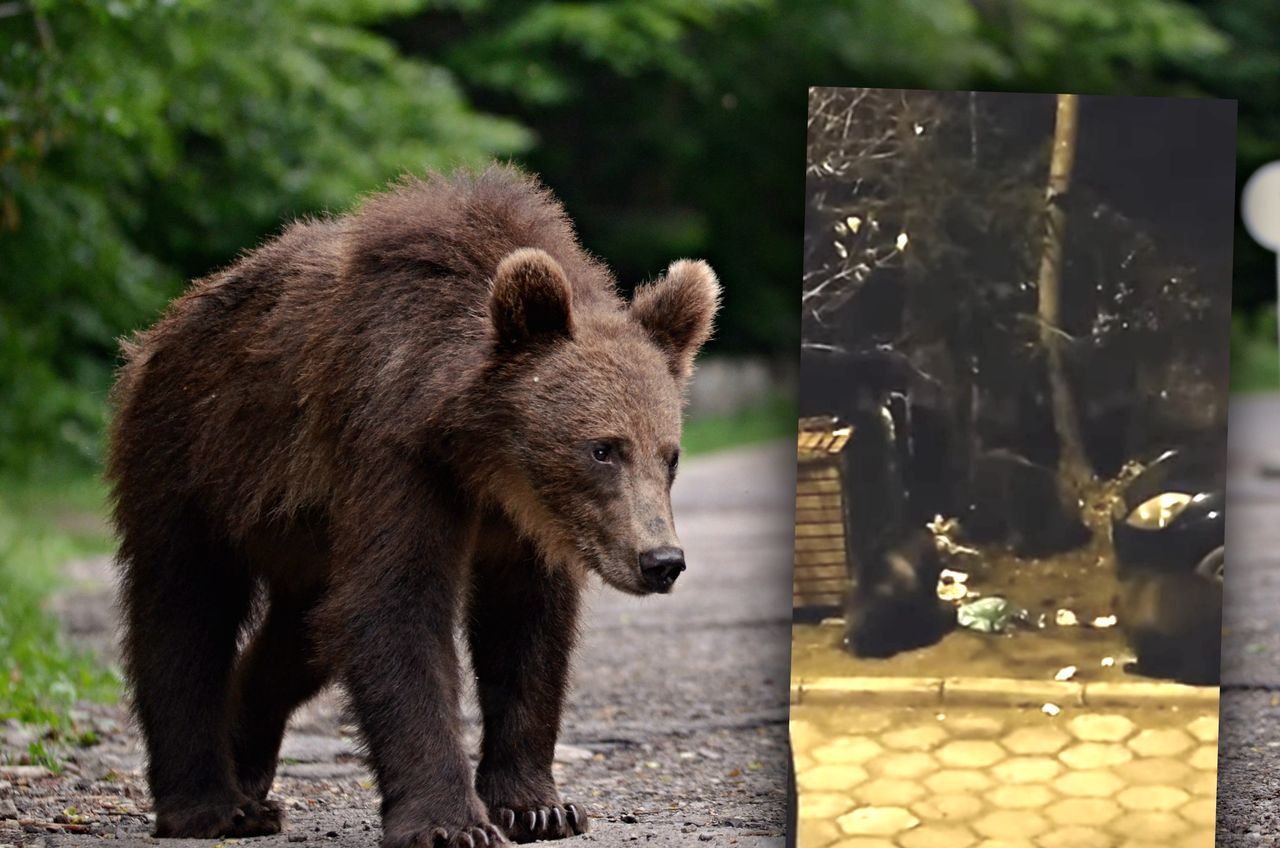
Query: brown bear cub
435	412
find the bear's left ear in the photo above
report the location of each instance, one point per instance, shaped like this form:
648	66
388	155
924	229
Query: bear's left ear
677	312
531	301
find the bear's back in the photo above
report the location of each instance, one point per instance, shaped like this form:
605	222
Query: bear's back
339	335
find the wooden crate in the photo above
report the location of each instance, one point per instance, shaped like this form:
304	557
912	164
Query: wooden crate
820	575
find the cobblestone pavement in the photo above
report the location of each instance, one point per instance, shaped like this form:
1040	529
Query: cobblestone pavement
911	777
675	733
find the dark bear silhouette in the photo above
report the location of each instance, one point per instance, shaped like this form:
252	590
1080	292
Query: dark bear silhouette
435	411
894	605
1173	623
1013	501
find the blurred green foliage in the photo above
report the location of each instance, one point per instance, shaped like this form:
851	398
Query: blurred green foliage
1255	357
144	142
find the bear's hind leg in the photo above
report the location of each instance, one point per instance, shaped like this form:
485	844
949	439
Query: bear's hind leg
185	599
278	672
522	629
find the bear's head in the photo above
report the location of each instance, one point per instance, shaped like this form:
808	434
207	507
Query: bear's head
590	399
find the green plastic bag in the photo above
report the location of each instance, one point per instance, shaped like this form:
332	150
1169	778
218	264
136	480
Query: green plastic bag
989	615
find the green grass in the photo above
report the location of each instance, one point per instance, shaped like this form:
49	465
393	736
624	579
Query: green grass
1255	357
772	420
44	522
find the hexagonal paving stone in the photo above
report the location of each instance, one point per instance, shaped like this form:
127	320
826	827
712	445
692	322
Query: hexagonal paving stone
877	821
1076	837
957	780
824	805
1076	810
1152	798
1203	783
831	778
816	834
1096	783
937	836
1011	824
1036	740
1204	728
1161	743
1092	727
848	750
889	792
1027	770
1205	758
1092	755
948	808
903	765
866	842
921	737
1006	843
1158	770
970	753
1027	796
1202	811
1155	827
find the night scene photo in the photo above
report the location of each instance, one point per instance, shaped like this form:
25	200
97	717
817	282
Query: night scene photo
1011	506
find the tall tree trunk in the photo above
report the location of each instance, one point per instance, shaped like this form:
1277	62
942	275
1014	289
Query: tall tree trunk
1073	467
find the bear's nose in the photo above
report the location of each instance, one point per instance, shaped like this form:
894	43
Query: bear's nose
660	567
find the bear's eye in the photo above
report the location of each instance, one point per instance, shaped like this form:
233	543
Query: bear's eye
602	452
673	466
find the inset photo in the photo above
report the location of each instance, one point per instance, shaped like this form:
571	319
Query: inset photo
1010	517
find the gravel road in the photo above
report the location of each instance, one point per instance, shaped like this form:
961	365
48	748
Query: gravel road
1249	747
675	735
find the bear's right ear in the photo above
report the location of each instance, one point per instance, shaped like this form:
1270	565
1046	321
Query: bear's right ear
531	300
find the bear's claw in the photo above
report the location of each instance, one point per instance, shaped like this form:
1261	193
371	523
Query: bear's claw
472	836
247	818
556	821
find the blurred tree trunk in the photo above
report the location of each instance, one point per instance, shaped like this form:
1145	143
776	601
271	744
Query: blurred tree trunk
1073	467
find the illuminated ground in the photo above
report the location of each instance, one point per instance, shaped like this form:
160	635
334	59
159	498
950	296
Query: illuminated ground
927	771
955	778
1080	581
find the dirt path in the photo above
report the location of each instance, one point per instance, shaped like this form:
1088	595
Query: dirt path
675	734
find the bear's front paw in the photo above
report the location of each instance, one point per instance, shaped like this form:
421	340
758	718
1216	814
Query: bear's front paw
555	821
245	818
467	836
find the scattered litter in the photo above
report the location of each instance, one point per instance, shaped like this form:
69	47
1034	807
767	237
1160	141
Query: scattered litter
1065	673
951	585
1051	709
1105	621
1065	618
989	615
943	529
1107	662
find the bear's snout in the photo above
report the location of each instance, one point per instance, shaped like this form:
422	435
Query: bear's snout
660	567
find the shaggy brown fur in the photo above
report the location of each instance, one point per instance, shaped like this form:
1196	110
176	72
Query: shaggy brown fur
433	412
